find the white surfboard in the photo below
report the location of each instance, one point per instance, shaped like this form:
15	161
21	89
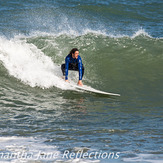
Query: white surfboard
89	89
92	90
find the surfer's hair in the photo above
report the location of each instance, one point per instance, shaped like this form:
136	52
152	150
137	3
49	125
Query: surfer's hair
73	51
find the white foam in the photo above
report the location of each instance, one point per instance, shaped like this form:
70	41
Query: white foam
25	149
77	160
17	149
74	33
145	158
140	32
29	64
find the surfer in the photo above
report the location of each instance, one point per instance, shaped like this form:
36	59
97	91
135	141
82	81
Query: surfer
73	62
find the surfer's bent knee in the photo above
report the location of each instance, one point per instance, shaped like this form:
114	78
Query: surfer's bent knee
63	69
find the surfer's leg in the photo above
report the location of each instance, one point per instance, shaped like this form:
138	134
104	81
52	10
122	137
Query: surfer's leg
71	66
74	67
63	69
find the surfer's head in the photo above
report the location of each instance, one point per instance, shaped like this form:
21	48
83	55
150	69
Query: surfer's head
74	53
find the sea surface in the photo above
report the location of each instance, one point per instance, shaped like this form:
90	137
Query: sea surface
43	119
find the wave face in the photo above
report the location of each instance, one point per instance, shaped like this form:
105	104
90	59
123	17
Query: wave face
124	63
121	45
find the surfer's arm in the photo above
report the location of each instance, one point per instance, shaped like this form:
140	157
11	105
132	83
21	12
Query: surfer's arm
80	71
67	60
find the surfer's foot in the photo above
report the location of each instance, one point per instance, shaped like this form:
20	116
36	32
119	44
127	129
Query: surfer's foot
63	77
80	83
67	81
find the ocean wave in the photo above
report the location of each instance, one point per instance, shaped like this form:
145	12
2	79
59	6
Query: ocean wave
141	32
28	64
35	59
73	33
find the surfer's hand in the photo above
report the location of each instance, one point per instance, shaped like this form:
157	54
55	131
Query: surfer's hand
80	83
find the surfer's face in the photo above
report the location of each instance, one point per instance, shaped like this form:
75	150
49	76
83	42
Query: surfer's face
75	55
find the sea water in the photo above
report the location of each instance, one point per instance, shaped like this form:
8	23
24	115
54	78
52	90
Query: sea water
43	119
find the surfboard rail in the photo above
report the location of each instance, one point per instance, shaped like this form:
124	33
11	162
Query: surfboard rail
90	89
